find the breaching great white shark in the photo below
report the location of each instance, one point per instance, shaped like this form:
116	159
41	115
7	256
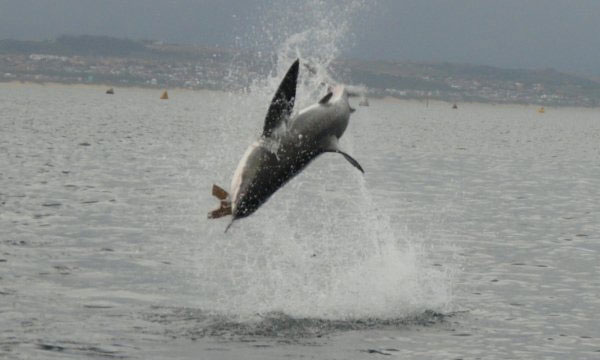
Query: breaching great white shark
287	145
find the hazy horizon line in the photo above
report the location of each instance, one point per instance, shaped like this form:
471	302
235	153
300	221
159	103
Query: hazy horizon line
347	57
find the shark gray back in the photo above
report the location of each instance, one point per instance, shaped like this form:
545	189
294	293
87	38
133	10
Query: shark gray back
277	156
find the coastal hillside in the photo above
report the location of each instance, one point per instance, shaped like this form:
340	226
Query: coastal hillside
125	62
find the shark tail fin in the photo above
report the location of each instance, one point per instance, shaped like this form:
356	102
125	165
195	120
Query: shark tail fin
225	205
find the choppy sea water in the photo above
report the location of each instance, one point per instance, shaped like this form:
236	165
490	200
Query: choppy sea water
473	234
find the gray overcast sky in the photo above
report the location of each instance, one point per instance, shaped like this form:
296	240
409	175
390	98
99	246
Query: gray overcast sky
563	34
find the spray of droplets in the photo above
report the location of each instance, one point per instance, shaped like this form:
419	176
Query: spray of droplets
314	263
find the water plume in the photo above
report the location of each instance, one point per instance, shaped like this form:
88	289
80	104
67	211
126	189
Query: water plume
319	248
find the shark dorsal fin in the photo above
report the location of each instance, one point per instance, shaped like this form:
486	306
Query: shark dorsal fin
326	98
283	101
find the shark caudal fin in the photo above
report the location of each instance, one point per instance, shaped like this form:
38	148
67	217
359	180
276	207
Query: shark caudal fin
225	206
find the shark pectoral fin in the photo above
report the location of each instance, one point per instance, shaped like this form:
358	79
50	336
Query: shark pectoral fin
352	161
331	145
326	98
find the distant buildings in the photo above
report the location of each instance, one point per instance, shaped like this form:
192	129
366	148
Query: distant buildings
152	64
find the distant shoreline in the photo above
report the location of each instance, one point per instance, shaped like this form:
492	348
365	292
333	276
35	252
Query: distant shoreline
384	99
113	62
95	85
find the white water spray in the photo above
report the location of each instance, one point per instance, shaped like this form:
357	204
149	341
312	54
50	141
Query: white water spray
319	248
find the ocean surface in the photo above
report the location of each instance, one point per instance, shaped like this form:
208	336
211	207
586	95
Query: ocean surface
473	234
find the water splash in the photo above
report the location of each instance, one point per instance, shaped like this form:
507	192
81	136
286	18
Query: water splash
314	31
333	255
